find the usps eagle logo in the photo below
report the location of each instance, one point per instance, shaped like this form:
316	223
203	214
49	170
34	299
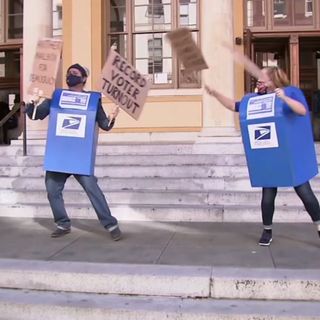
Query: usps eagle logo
71	123
262	133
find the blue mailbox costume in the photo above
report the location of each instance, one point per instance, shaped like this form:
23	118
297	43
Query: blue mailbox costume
71	149
72	132
278	143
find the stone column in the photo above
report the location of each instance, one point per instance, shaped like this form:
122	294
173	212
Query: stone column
217	27
294	60
37	24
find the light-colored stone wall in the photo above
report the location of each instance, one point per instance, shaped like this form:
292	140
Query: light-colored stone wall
217	28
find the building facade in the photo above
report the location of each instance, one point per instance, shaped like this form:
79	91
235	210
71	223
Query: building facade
271	32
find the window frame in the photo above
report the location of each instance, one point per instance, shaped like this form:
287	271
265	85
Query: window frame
307	12
271	27
4	6
130	33
57	32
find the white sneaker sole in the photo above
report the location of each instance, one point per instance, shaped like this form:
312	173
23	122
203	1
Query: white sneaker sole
265	244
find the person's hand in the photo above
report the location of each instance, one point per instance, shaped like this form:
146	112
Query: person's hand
114	113
280	93
210	91
35	97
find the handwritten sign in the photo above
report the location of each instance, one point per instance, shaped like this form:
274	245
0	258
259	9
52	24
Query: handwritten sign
45	67
187	50
124	85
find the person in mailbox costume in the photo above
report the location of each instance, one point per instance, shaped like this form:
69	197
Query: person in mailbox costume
278	142
75	116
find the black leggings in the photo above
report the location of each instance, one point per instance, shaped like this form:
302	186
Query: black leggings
304	192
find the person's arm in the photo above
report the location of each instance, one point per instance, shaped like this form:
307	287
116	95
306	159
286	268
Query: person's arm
42	110
104	122
295	105
225	101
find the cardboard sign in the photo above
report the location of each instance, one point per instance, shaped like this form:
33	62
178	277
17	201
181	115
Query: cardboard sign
124	85
187	50
45	67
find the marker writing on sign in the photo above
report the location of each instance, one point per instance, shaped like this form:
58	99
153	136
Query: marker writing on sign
42	79
123	97
127	70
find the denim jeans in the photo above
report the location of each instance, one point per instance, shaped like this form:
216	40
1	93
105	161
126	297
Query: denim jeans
55	182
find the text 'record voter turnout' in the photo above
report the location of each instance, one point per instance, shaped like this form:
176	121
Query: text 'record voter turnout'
124	85
45	67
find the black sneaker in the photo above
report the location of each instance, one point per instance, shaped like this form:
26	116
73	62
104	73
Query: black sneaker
59	232
115	233
266	238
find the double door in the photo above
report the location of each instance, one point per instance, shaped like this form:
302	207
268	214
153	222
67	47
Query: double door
299	57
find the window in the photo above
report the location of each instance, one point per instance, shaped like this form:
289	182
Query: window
2	28
256	13
11	20
9	64
137	30
57	18
279	9
293	12
272	15
308	8
15	19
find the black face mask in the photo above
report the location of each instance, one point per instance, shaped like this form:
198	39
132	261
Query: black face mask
73	80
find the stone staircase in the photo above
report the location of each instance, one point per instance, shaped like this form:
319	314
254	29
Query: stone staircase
74	290
164	181
197	181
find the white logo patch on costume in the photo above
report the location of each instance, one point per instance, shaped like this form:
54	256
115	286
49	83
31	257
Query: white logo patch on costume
263	135
261	106
74	100
71	125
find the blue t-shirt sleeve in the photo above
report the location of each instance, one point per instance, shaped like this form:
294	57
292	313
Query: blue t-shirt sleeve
296	94
237	106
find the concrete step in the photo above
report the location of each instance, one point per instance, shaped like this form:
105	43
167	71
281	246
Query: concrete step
157	280
148	183
152	137
126	160
161	280
154	197
34	305
185	171
169	212
218	147
135	148
109	184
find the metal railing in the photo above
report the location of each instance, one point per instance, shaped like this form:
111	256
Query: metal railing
15	109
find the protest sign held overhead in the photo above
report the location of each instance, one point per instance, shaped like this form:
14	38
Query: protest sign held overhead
124	85
187	50
45	67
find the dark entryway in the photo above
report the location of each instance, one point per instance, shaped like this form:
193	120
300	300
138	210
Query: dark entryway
309	74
